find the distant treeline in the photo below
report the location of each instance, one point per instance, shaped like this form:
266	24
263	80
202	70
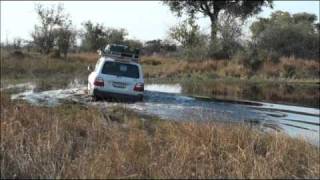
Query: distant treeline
281	34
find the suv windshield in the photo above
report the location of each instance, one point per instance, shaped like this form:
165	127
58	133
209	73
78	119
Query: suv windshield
120	69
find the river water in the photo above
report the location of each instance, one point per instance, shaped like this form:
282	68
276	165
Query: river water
168	102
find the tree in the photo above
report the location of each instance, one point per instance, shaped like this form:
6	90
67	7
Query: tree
159	46
17	42
318	27
50	18
65	38
192	40
152	46
186	33
287	35
96	36
301	17
133	44
115	36
230	31
93	36
211	9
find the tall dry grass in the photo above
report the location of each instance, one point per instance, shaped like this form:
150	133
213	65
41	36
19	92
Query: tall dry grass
34	65
73	141
303	94
90	57
291	68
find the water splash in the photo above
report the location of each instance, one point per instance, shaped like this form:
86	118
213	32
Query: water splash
166	88
50	97
76	83
28	86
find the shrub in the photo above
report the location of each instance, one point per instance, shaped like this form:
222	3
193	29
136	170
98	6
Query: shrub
55	54
249	58
270	69
235	70
313	69
198	52
150	61
273	57
287	35
17	54
289	70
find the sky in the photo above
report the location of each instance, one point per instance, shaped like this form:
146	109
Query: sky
144	20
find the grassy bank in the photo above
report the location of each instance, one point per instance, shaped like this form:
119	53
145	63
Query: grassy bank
73	141
287	70
290	81
218	79
160	69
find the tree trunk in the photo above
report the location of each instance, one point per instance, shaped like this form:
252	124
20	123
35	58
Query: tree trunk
214	27
47	51
65	54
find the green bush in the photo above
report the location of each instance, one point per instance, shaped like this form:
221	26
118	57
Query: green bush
287	35
289	70
151	61
249	58
195	53
273	57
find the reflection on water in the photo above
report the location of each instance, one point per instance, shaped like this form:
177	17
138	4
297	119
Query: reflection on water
295	120
287	93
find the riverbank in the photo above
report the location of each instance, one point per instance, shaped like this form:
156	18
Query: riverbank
202	78
156	68
73	141
286	70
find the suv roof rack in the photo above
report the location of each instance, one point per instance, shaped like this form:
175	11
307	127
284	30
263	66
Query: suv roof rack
121	53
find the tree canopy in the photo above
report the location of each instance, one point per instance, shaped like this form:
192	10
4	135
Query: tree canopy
50	18
96	36
211	9
287	34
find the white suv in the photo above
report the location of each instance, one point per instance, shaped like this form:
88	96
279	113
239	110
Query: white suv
118	78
